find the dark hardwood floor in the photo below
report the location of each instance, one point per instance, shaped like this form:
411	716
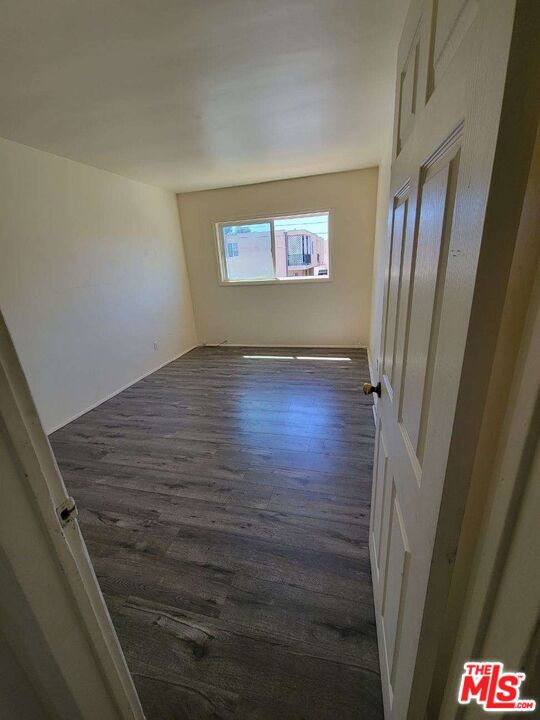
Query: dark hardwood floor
225	504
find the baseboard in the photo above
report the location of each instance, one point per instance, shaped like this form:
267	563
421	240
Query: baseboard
352	346
117	392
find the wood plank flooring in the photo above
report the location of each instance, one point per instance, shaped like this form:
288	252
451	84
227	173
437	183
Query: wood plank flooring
225	504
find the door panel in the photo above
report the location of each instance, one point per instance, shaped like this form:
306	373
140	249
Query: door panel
395	277
451	78
397	566
427	287
381	473
428	246
451	23
408	92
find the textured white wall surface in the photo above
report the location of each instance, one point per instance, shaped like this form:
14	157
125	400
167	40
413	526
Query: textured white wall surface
303	313
93	281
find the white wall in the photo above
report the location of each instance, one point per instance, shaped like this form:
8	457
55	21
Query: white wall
92	273
327	313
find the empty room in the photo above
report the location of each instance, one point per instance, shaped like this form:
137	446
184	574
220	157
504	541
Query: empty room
269	359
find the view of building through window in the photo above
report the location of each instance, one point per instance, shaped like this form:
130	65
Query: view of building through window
277	248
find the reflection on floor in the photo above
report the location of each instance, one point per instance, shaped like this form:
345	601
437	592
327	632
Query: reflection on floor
225	503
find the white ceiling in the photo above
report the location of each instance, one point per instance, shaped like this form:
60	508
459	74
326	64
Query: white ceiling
193	94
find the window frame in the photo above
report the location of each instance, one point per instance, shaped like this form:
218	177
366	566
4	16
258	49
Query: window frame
218	226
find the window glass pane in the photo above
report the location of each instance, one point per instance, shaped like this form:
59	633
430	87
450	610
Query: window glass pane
247	250
302	246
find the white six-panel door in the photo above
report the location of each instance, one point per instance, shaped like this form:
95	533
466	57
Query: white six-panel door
451	72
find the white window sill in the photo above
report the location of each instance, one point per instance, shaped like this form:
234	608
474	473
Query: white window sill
275	281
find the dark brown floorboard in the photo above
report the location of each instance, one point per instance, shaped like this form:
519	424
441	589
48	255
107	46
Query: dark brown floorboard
225	504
